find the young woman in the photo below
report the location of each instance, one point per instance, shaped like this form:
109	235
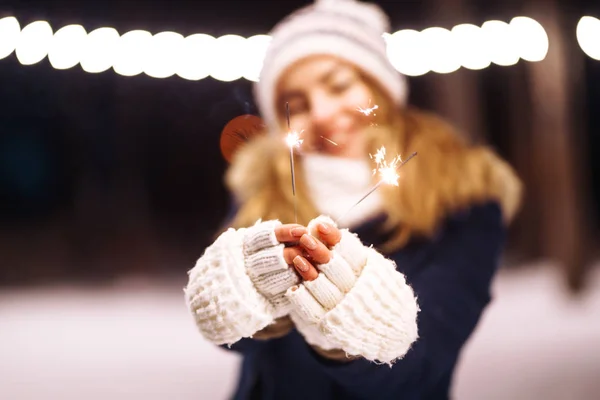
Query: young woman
379	304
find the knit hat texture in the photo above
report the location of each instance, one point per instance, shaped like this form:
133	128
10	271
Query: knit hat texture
348	29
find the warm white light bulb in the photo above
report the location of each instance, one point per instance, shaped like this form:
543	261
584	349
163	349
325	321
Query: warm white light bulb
530	39
34	43
196	59
406	54
499	39
438	46
163	54
10	30
131	52
67	46
229	61
99	50
588	36
255	51
471	48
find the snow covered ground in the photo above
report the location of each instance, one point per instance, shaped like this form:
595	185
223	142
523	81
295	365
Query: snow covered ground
135	340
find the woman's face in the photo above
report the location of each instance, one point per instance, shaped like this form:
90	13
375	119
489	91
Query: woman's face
325	97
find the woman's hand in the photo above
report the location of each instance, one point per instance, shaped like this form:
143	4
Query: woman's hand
352	298
308	248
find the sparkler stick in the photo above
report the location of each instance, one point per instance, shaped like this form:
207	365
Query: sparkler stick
389	175
330	141
292	141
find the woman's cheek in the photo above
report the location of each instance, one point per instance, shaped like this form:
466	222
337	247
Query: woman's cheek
298	123
360	97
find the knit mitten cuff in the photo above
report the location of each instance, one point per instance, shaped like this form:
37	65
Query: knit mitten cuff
266	266
376	319
260	236
222	298
311	333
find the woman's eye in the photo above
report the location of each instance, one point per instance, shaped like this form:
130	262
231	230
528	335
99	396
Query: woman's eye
297	107
340	87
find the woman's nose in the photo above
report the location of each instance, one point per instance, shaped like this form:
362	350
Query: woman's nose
323	111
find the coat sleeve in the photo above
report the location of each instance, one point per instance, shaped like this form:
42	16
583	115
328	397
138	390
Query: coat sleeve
453	288
281	327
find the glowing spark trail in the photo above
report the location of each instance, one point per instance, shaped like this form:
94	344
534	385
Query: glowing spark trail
387	172
329	140
369	110
292	140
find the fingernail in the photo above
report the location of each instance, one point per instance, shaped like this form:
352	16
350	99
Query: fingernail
324	228
309	242
301	264
298	232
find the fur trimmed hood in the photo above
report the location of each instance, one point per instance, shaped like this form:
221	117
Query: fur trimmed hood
449	175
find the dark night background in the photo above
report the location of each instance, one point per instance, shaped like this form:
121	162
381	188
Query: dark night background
102	174
111	187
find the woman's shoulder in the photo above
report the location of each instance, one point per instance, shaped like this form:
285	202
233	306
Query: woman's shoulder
474	231
488	214
452	174
479	219
252	164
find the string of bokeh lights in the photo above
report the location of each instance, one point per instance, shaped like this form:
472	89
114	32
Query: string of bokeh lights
588	36
231	57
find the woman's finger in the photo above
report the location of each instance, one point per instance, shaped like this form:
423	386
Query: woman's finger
288	233
328	234
316	251
306	270
289	253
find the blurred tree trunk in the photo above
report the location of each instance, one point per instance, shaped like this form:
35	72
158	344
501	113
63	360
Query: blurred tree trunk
456	96
546	135
554	153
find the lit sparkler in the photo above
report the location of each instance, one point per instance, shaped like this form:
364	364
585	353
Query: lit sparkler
369	110
387	171
293	141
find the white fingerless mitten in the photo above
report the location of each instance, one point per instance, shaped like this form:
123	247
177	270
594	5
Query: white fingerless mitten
238	286
266	266
359	303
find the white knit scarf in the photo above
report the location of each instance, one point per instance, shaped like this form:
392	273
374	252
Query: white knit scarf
336	184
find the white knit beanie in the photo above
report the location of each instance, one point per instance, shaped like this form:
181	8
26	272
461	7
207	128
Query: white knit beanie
348	29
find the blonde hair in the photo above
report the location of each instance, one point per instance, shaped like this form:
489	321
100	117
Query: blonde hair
447	175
